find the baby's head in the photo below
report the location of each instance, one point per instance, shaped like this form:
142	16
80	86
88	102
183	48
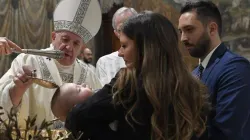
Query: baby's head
66	97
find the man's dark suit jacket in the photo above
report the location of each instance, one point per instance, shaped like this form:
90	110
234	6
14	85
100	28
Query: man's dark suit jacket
227	77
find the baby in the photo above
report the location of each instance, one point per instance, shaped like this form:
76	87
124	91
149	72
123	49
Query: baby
67	96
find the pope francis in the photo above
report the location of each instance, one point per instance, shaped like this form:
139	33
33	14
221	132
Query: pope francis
75	23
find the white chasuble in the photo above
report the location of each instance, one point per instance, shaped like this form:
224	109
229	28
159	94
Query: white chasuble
36	100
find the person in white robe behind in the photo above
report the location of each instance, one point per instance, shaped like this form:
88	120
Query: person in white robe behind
7	46
75	22
108	65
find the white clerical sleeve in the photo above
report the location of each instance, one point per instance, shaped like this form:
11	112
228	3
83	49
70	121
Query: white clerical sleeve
93	80
92	68
6	82
101	73
28	98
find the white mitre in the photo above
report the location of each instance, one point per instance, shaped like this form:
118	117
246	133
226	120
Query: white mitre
82	17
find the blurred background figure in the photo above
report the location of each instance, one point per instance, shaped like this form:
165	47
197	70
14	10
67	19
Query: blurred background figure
86	56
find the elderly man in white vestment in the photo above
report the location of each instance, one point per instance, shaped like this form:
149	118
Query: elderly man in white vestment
75	22
108	65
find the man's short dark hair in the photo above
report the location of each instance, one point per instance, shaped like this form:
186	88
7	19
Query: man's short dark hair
206	11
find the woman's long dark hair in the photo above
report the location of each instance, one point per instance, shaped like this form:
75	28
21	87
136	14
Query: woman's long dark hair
177	98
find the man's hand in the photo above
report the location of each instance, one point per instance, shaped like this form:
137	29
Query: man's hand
22	82
6	46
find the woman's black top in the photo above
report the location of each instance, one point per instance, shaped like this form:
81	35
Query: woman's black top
94	116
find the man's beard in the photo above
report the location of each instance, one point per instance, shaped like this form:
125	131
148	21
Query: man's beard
201	48
86	60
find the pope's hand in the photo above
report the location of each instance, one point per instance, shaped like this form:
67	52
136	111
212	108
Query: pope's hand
23	78
22	81
7	45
